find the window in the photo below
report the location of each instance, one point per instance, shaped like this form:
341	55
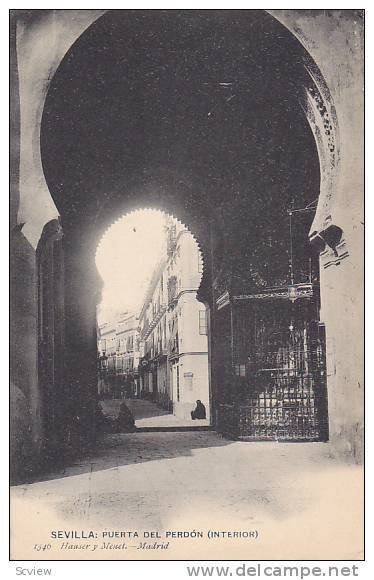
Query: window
202	322
178	391
172	288
240	370
199	262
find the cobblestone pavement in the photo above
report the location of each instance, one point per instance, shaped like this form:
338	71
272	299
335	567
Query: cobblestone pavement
303	503
148	414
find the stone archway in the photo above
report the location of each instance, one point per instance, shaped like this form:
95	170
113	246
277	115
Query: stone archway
208	141
168	177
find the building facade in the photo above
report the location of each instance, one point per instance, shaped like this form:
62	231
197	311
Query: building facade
118	357
173	329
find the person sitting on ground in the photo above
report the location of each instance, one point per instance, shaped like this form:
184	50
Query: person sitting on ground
125	420
199	412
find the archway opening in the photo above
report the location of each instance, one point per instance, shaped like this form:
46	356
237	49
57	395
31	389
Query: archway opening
152	332
229	146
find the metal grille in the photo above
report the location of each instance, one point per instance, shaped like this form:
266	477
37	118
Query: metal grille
278	386
287	390
285	409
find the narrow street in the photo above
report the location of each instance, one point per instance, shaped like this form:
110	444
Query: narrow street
147	414
185	481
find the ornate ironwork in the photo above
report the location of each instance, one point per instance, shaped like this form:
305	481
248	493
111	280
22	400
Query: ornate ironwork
223	300
278	384
292	293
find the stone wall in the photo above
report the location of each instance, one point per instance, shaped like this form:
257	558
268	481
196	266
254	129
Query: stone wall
334	38
38	42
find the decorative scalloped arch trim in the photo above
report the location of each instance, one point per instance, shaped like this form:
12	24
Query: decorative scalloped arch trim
154	210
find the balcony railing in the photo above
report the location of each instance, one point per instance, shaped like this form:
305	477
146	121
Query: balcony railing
146	332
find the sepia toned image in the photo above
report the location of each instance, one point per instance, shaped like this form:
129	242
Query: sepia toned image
186	284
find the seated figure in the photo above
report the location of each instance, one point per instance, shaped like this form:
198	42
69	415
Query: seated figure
199	412
125	420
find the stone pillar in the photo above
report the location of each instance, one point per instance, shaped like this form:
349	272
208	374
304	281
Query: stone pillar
82	291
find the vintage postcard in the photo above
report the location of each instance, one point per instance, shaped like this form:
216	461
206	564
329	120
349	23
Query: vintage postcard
186	266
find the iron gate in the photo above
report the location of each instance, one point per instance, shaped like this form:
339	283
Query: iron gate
279	370
286	375
288	386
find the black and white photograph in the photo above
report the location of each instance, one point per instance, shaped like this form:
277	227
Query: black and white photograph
186	284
